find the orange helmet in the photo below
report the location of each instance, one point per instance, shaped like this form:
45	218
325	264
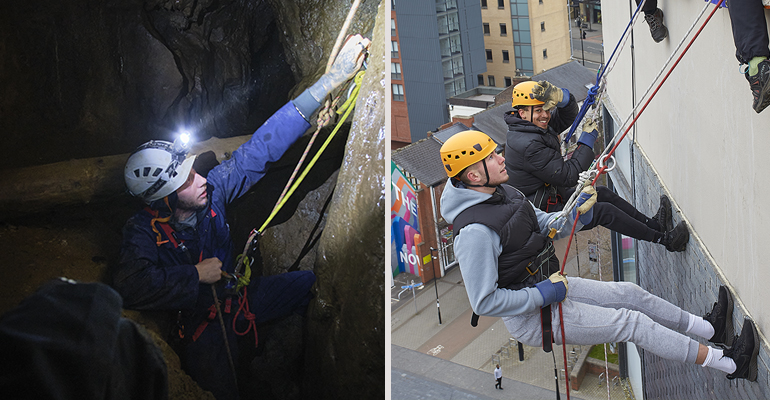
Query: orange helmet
522	95
465	149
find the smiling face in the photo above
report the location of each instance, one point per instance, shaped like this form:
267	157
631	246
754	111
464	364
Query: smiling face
192	194
535	115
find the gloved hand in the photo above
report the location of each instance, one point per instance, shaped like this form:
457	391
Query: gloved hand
554	289
585	201
348	60
583	178
589	135
549	94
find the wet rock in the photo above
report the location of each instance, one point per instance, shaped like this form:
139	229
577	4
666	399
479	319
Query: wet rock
347	317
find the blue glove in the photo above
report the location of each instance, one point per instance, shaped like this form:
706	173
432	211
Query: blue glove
585	202
553	289
589	135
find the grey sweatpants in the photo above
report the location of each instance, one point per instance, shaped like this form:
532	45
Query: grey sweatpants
603	312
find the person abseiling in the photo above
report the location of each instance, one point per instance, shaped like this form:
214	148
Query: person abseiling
536	167
180	244
502	246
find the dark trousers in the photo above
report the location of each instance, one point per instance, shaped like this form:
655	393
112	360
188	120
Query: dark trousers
616	214
270	298
499	383
649	7
749	29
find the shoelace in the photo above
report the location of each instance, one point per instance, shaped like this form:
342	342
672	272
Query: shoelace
652	21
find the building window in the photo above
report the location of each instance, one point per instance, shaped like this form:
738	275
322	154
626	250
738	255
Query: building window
393	49
448	23
453	68
392	27
481	80
503	30
395	71
450	46
491	80
486	29
500	5
506	59
393	4
489	55
484	4
545	53
542	27
398	92
508	81
541	1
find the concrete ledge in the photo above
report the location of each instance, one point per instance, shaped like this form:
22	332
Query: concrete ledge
585	364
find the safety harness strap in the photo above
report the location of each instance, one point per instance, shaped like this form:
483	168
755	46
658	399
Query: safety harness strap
545	322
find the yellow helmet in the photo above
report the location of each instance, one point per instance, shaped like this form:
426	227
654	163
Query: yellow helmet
465	149
522	95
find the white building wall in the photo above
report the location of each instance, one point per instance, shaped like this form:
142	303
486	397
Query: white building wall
702	137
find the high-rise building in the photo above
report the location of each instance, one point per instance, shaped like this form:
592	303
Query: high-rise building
523	37
437	50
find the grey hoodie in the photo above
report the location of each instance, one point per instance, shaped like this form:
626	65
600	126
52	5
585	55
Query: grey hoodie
477	248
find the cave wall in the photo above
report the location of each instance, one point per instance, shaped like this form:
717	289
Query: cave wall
91	78
347	318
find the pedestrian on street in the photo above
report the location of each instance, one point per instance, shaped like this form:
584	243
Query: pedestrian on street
502	245
499	377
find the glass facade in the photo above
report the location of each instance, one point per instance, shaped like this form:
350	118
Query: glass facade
522	41
451	48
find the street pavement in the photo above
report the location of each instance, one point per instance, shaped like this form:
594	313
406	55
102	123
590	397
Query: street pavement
454	360
589	51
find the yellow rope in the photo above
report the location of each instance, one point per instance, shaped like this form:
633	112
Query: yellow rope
346	108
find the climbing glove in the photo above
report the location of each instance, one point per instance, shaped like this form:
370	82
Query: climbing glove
554	289
585	202
589	135
549	94
349	59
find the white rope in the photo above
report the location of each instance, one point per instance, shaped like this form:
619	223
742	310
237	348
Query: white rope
570	205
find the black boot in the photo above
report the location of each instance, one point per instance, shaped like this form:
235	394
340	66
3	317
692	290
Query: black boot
663	220
760	86
657	29
721	318
677	238
744	353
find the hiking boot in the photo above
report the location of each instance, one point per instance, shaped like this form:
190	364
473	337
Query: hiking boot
744	353
663	217
721	318
657	29
677	238
760	86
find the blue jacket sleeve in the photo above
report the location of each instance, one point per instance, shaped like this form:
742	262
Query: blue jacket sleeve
233	178
143	283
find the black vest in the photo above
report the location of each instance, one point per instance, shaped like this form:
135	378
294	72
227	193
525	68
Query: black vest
528	256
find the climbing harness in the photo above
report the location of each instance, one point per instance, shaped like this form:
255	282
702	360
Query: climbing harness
606	158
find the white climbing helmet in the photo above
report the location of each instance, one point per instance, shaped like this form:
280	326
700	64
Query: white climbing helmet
157	168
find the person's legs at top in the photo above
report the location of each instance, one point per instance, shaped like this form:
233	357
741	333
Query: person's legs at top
751	47
614	213
654	17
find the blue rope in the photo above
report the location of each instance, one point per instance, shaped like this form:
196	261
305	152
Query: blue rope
591	97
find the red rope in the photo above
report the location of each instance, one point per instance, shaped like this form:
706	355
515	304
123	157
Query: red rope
243	305
601	171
